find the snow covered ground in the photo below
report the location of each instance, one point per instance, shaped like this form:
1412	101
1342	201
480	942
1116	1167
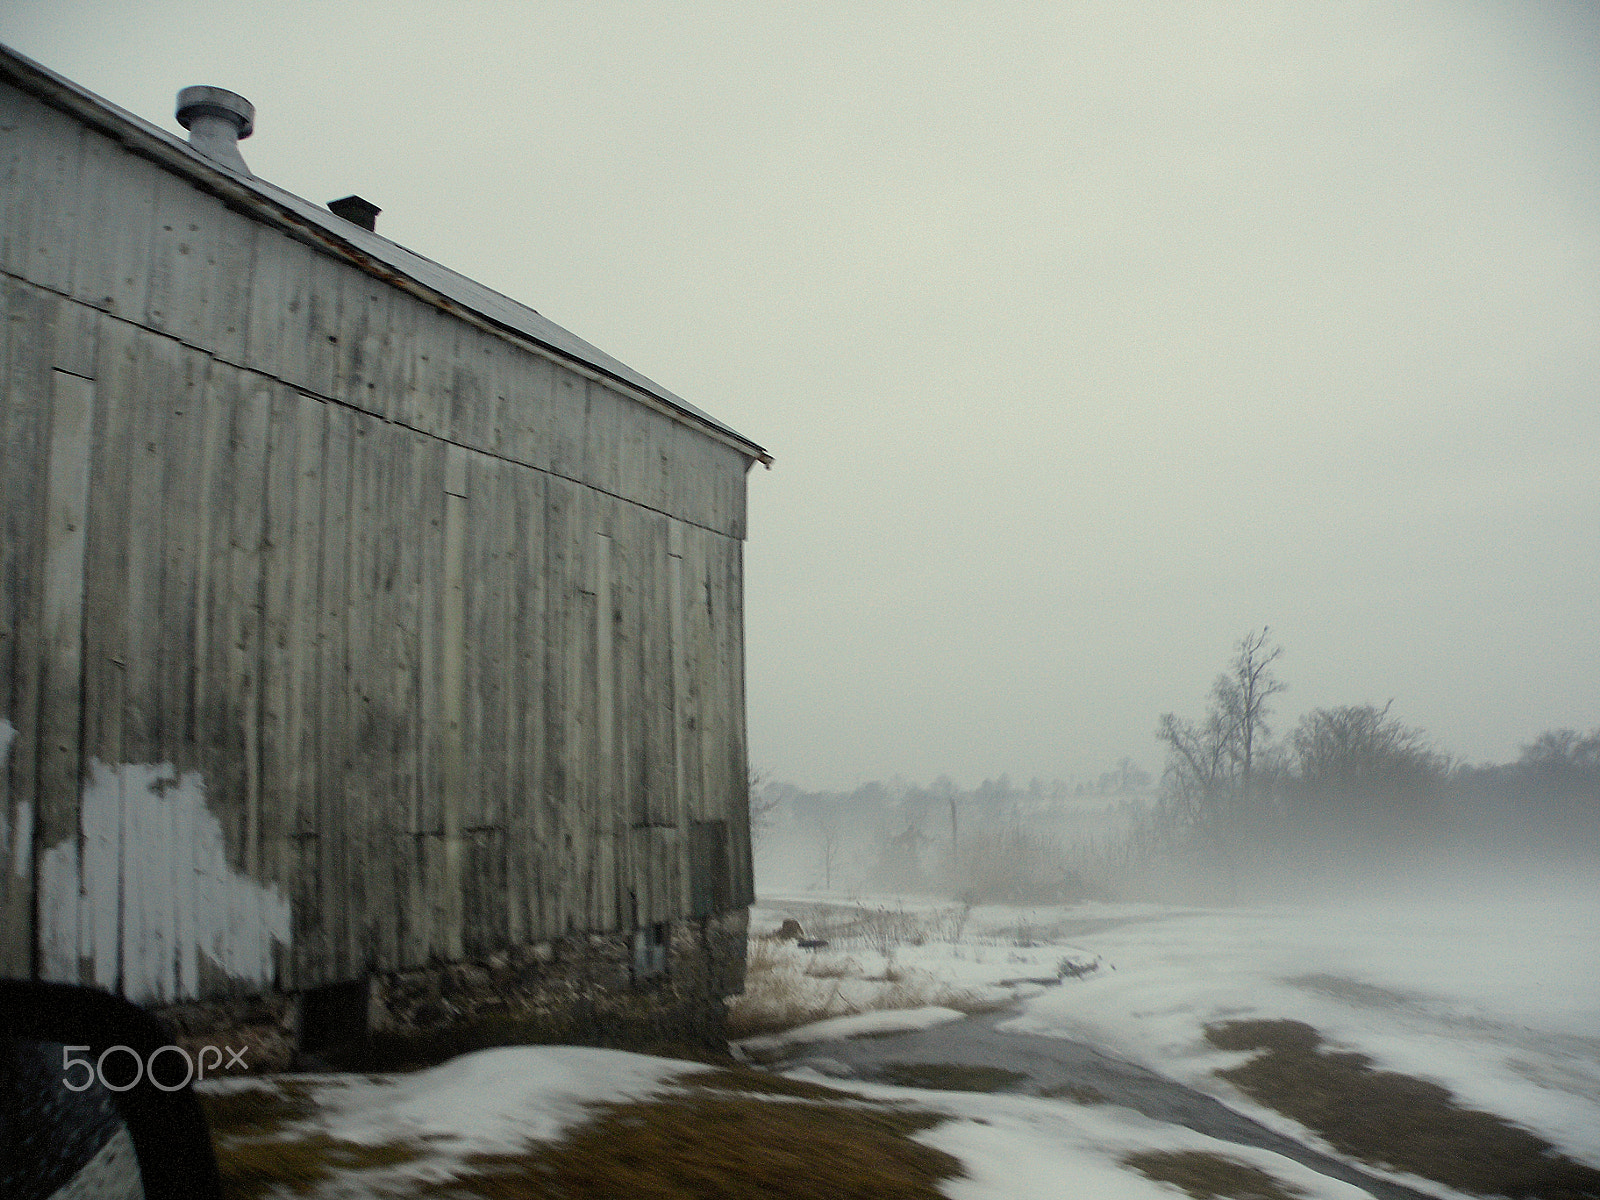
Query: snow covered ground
1496	999
1499	1002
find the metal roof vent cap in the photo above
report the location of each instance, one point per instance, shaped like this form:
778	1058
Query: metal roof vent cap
216	119
357	211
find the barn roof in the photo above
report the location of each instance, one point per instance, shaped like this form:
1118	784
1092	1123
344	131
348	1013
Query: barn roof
368	250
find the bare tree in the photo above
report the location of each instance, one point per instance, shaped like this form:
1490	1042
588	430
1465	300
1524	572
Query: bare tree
1209	788
1359	769
828	827
1199	772
1241	696
763	803
1563	751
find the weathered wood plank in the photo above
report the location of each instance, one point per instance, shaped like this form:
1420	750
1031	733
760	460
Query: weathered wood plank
567	635
41	172
472	396
602	436
491	666
17	469
304	736
526	829
484	603
224	325
240	807
427	822
36	824
453	778
111	266
430	365
99	930
484	899
607	780
740	847
216	746
686	501
158	376
280	708
184	534
183	248
718	734
368	737
106	650
655	670
103	930
568	417
525	408
598	669
294	304
394	683
137	956
317	320
638	464
71	416
269	293
629	800
183	837
16	170
691	654
374	320
678	680
338	856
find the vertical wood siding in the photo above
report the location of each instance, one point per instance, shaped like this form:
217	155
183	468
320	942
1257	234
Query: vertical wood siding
336	634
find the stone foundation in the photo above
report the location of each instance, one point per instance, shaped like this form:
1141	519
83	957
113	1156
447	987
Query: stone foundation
665	986
260	1029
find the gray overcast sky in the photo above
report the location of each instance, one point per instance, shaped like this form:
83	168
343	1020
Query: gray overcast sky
1087	336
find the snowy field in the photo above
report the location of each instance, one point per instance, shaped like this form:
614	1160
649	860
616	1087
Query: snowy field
1499	1002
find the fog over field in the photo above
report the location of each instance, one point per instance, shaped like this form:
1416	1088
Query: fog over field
1345	801
1085	336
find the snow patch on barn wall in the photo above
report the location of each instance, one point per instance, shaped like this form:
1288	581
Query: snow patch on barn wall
145	897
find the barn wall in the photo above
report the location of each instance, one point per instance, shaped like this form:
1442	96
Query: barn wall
336	634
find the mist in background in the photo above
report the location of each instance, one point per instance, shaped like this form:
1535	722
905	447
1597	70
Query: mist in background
1345	803
1084	336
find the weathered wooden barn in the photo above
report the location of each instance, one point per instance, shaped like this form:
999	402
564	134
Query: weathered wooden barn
364	636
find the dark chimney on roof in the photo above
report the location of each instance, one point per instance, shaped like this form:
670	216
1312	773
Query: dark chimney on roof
216	119
357	211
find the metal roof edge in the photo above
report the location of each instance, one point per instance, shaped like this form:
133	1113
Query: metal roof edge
370	252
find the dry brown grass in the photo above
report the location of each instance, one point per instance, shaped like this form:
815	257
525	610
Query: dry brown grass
1078	1093
257	1168
778	1139
264	1145
257	1111
1394	1120
1204	1175
728	1131
785	988
830	968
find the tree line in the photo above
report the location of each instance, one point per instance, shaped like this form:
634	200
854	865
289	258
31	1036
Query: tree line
1352	788
1347	794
